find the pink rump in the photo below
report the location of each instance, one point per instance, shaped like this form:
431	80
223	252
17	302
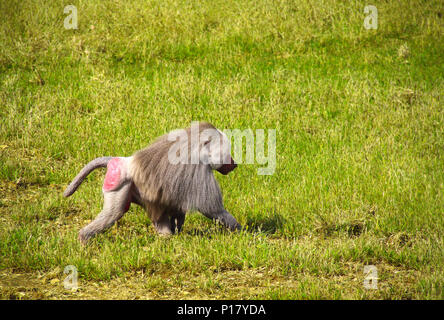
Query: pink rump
113	172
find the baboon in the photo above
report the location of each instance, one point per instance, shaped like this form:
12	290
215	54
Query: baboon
168	178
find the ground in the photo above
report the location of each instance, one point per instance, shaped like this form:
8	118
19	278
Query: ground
359	122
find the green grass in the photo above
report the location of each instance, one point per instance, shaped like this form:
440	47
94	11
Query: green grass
359	122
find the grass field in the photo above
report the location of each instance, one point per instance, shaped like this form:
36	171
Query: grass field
359	119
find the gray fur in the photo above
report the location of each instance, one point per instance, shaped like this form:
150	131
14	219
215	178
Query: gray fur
167	191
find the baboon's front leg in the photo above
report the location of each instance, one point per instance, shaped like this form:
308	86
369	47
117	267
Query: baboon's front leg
225	218
116	203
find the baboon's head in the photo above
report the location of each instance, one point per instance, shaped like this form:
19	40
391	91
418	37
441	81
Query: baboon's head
215	150
202	144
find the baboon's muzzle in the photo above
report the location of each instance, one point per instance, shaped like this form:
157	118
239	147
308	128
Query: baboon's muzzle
227	167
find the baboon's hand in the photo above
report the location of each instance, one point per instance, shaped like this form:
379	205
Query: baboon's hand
228	221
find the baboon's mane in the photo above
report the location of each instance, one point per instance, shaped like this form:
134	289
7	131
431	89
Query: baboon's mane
182	186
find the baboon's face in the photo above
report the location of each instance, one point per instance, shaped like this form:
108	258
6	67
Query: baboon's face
216	151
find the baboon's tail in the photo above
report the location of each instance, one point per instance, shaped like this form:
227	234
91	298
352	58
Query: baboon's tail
96	163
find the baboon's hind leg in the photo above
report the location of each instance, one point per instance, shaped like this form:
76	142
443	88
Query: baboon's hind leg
165	220
159	217
116	203
177	218
163	225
